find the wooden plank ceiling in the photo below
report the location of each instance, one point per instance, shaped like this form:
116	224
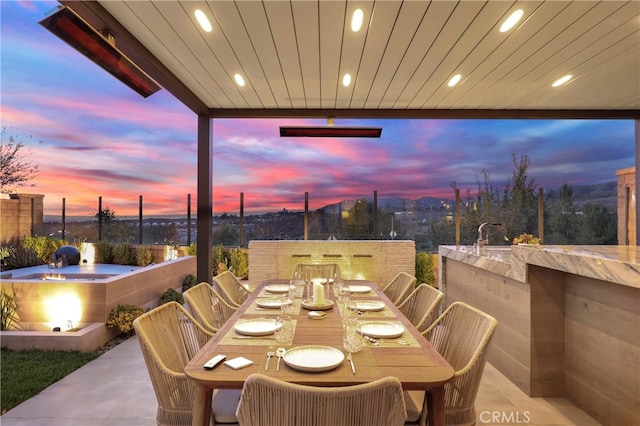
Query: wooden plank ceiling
293	54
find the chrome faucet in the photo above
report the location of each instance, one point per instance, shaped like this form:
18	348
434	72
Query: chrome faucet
484	241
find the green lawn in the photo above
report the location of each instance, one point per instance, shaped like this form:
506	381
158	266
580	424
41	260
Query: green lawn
26	373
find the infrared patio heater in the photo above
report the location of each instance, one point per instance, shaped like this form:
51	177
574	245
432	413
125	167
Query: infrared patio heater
99	48
329	131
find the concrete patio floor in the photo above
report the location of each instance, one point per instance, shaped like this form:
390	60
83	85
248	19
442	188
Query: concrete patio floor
115	390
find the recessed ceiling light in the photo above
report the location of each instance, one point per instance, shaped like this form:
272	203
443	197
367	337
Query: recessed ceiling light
346	80
454	80
203	20
356	20
238	78
511	20
561	81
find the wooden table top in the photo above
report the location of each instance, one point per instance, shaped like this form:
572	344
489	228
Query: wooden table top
417	365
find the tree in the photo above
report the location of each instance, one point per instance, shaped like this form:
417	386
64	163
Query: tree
598	225
225	235
114	231
15	170
561	218
519	202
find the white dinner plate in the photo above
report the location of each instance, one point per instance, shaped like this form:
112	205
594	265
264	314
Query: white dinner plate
256	327
277	288
381	329
269	303
313	358
359	289
369	305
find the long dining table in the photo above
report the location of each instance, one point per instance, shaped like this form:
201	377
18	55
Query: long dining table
411	358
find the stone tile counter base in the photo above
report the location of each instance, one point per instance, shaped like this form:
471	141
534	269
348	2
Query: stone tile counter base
568	320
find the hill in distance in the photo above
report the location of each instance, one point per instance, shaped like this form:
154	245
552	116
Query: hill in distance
604	193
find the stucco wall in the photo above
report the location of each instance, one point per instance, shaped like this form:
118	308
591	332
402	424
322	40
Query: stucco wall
375	260
16	217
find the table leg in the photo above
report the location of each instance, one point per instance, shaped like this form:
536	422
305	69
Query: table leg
201	414
435	406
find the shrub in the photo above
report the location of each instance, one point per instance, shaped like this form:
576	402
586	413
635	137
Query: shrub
144	255
21	257
171	295
123	254
192	250
44	247
104	252
8	309
123	316
5	251
239	263
189	281
220	259
424	268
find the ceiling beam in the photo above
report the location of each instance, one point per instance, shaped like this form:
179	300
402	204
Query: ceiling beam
458	114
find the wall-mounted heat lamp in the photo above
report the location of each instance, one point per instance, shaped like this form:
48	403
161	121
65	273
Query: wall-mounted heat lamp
329	131
101	49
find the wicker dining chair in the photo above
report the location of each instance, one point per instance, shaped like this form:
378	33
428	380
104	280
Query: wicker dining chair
207	306
462	335
422	306
309	271
399	286
169	337
230	288
267	401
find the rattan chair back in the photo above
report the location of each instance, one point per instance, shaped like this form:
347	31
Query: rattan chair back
422	306
208	307
399	286
267	401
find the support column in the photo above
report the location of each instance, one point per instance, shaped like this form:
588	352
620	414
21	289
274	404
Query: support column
205	199
637	181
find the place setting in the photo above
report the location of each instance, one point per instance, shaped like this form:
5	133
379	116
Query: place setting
275	304
261	331
377	333
325	359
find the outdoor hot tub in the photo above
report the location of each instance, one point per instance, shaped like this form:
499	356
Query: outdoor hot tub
76	296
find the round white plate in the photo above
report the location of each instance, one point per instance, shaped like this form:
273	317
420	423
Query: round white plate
369	305
277	288
381	329
255	327
313	358
269	303
359	289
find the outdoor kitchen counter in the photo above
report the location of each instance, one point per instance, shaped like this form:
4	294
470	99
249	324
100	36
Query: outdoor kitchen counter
614	264
568	319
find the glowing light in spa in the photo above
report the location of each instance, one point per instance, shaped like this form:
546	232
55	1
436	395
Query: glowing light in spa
63	310
170	253
87	253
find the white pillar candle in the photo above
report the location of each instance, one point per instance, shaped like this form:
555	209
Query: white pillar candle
318	294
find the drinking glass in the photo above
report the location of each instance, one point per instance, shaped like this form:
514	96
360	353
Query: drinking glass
308	288
352	339
297	284
286	306
344	296
349	312
284	330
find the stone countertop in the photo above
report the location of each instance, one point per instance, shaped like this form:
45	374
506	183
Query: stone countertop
615	264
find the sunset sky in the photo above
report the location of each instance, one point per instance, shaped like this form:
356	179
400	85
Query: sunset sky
100	138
